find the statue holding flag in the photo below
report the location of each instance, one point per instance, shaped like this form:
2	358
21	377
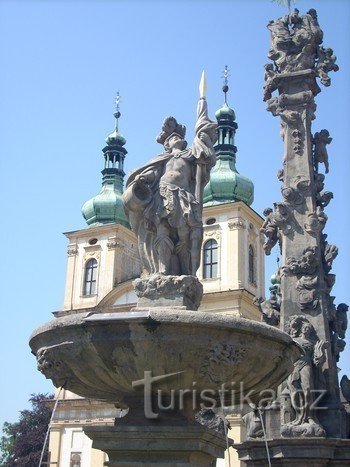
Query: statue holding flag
163	199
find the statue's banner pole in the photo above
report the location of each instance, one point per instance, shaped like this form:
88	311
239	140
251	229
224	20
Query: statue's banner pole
203	141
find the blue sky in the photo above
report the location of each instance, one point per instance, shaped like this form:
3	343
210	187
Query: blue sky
62	64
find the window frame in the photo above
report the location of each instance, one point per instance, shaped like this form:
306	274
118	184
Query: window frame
213	262
90	283
251	265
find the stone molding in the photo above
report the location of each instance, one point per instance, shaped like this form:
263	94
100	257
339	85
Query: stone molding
237	223
72	249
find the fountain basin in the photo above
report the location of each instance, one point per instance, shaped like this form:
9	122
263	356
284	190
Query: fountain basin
101	355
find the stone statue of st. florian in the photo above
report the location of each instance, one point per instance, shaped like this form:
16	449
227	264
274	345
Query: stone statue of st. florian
163	199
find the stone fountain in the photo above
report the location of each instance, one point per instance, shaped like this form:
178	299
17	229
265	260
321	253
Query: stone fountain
171	366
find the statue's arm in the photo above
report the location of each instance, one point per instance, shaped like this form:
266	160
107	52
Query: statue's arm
146	177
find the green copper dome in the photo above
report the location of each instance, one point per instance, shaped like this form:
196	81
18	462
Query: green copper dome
225	113
226	184
115	137
107	206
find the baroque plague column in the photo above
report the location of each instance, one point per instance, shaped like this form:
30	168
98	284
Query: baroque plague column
298	222
303	305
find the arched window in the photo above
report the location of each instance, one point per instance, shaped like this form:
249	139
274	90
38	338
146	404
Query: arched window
75	460
90	278
210	259
251	262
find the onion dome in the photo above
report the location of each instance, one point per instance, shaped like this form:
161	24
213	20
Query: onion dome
275	283
226	184
225	113
107	206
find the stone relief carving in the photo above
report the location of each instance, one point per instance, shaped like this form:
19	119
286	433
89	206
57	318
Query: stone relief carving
236	223
169	290
280	175
270	81
215	234
324	198
115	242
325	64
345	387
51	367
341	324
292	196
276	222
305	268
330	253
290	118
269	309
90	255
338	326
306	264
296	45
316	221
220	359
72	249
320	155
253	426
319	182
308	293
329	282
302	381
295	194
211	419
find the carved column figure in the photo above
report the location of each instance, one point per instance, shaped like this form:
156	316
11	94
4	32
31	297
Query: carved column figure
297	223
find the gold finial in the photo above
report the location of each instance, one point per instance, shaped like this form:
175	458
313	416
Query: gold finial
226	74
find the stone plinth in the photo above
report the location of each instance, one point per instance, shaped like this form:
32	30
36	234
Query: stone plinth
150	446
159	290
297	452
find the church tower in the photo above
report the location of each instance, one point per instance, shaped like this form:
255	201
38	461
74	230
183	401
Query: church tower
232	267
107	207
104	254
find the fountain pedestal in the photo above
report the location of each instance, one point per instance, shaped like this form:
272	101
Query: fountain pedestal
191	445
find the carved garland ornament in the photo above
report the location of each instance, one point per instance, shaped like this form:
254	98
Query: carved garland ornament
91	255
215	234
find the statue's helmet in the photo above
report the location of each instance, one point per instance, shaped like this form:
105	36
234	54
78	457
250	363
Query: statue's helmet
171	127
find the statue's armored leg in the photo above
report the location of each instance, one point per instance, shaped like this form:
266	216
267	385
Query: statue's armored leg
183	250
196	243
164	248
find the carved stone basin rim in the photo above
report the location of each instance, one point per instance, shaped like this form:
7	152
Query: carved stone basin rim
100	355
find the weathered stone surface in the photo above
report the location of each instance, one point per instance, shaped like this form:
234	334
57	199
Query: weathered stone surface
100	356
164	199
157	446
159	290
253	425
299	59
313	452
